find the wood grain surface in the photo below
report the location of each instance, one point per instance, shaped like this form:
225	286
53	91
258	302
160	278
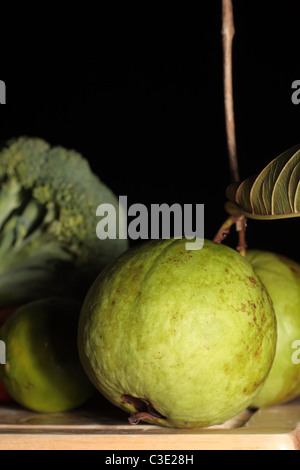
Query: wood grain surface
107	428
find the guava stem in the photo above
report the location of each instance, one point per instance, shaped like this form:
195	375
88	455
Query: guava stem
241	229
224	231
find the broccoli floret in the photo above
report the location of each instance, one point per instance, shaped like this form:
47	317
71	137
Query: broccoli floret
48	243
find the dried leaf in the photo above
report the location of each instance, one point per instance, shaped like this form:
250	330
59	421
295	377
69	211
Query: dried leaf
273	194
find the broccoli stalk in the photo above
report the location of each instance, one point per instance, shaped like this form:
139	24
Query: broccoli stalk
48	243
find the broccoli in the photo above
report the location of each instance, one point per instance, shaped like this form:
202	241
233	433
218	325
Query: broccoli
48	243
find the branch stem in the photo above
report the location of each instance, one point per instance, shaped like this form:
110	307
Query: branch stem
228	33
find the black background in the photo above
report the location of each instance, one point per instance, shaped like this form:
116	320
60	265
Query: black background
140	94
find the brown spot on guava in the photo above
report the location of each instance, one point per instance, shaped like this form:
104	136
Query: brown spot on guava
257	385
257	352
251	279
252	304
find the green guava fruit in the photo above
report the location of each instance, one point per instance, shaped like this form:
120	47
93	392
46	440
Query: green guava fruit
43	371
281	277
178	338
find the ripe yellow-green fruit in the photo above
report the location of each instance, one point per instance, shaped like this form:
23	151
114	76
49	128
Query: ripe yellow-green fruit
43	370
281	277
176	337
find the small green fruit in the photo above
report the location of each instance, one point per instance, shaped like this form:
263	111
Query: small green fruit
43	370
180	338
281	277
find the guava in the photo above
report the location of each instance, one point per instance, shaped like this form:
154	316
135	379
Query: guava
281	277
179	338
43	370
4	314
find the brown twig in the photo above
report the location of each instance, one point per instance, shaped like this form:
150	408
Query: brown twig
241	229
224	231
228	33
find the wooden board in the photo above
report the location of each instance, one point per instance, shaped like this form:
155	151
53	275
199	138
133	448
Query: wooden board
276	428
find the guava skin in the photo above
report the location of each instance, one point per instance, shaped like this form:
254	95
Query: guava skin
191	332
281	277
